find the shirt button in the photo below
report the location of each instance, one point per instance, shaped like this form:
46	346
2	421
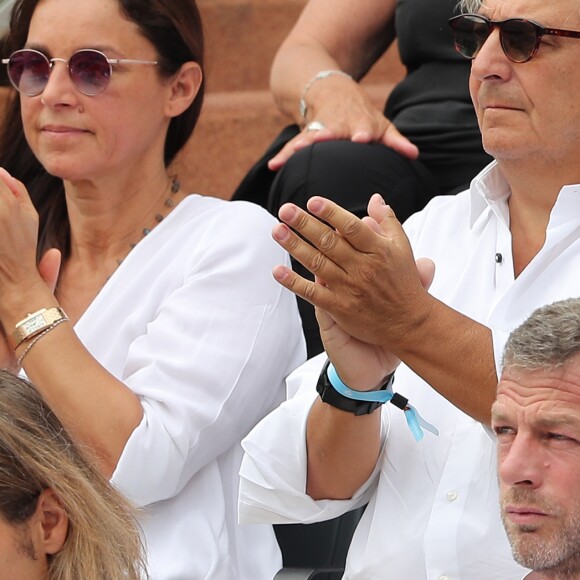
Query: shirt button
451	496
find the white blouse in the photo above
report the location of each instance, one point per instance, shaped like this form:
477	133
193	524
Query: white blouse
193	322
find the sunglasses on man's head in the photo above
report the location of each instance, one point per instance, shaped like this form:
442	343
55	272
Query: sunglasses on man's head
89	69
519	38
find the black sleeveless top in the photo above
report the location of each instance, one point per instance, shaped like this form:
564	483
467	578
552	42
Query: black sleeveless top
431	105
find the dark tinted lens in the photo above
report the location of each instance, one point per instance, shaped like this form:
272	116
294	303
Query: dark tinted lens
28	71
519	39
89	71
469	34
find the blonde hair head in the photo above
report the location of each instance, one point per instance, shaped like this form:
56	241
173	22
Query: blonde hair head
36	453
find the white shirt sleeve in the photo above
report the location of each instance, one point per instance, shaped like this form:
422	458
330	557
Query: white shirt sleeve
213	357
273	472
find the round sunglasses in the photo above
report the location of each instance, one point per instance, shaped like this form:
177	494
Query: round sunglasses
519	38
90	70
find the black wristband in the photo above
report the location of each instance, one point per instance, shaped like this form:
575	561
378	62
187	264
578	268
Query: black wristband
331	396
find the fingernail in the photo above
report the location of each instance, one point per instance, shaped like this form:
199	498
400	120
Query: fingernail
315	205
279	273
280	233
287	212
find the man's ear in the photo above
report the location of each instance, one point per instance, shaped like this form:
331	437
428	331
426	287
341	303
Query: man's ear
49	523
184	88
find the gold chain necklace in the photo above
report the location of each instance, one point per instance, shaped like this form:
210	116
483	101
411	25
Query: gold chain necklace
168	205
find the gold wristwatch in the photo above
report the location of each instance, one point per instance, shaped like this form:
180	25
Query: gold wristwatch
35	323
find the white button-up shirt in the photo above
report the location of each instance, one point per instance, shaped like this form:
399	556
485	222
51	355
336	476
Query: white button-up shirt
433	506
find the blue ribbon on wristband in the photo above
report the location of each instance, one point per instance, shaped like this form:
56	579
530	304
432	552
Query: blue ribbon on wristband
415	422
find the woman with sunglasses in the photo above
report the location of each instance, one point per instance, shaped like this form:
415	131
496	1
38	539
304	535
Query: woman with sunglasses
146	316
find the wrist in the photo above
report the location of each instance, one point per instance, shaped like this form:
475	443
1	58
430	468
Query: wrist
17	306
36	323
335	393
303	104
30	340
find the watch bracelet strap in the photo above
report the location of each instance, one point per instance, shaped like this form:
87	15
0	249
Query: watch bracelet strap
36	338
50	315
383	395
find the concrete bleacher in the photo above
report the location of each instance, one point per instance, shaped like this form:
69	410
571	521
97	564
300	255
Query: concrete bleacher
239	118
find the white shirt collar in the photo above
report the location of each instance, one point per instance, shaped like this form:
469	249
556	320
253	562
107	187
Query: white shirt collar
490	189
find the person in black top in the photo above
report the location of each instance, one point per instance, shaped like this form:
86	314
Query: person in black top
341	146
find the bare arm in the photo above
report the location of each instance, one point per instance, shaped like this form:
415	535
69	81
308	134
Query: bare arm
96	408
345	35
349	35
342	451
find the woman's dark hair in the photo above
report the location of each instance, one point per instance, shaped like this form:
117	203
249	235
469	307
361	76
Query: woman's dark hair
175	29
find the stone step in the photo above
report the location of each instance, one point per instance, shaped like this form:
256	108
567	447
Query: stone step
234	129
242	37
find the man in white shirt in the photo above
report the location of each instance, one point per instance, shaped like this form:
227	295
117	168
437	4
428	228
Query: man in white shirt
490	256
536	418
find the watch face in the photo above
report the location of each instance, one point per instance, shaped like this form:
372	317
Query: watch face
34	324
